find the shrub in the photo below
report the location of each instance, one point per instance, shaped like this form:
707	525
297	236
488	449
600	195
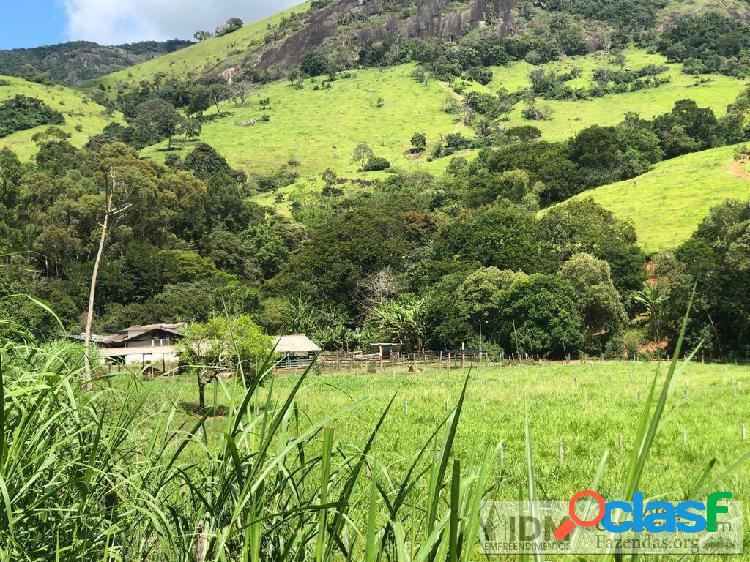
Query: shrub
376	164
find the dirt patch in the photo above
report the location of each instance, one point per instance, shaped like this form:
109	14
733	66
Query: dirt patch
737	171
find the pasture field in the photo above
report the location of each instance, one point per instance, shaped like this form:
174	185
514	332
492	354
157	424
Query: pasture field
668	203
384	107
83	117
320	127
587	407
569	117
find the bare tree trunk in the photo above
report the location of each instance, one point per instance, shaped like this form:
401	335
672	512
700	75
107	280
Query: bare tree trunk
87	376
201	393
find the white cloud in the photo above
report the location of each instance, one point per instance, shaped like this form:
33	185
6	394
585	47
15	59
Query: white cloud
112	22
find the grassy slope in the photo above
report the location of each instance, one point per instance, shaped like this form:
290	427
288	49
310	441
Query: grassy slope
668	203
569	117
205	55
321	128
308	124
75	106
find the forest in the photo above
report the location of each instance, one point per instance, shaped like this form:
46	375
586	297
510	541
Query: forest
432	261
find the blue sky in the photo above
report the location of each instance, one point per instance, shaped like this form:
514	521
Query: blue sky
29	23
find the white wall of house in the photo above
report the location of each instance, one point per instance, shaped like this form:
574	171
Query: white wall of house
138	355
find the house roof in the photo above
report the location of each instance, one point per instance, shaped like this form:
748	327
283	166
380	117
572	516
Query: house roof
132	333
295	343
172	328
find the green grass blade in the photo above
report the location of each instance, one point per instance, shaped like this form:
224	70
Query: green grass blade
531	478
324	483
443	466
455	513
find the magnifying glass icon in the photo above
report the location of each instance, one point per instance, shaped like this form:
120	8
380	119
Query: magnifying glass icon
570	524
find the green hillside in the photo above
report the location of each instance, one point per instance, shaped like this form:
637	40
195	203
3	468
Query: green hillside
569	117
199	57
668	203
321	127
83	117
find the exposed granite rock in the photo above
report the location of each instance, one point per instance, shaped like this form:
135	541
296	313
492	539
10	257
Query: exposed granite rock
434	18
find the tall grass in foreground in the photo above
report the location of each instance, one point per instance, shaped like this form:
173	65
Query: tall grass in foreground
84	476
91	476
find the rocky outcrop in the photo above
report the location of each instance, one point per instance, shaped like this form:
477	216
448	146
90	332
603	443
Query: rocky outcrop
434	18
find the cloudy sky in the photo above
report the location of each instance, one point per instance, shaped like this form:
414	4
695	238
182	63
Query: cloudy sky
29	23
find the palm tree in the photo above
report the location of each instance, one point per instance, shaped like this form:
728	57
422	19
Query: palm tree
653	298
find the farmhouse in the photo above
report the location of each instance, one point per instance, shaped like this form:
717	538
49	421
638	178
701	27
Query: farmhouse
152	343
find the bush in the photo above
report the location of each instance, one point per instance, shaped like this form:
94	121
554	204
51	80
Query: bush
376	164
534	112
237	344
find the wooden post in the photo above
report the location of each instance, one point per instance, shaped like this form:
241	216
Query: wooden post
684	439
619	442
406	406
742	431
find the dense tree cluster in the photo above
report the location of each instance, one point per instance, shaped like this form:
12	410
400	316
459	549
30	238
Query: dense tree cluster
23	112
708	43
600	155
430	262
189	243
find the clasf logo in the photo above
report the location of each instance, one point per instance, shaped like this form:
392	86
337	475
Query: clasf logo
653	517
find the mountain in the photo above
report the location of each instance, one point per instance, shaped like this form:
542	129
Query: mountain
78	61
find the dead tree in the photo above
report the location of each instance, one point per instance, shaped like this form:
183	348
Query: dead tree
109	213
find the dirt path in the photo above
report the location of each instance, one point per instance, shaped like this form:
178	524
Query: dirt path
737	171
462	123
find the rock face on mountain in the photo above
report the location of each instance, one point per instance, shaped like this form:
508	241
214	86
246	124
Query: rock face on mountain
433	18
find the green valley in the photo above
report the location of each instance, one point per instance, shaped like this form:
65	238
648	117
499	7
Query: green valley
319	286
